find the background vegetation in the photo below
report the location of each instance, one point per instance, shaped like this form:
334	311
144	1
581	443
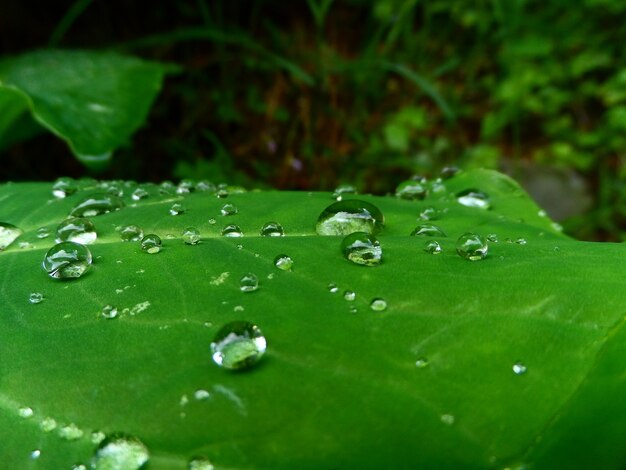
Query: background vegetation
309	94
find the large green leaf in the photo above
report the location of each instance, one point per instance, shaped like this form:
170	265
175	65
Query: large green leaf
336	389
93	100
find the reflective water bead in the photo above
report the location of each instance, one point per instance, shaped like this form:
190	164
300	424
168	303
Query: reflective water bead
109	312
8	234
473	198
185	187
139	194
212	221
472	247
429	213
238	345
200	463
177	209
131	233
120	452
332	288
232	231
205	187
191	236
43	232
249	283
272	229
283	262
411	190
70	432
229	209
449	171
167	188
343	190
428	231
519	368
346	217
64	187
97	204
521	241
421	362
47	424
492	237
447	419
433	247
67	260
35	298
25	412
151	243
349	295
76	229
378	305
362	248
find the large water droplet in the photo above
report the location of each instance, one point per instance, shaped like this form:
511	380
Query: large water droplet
67	260
343	190
131	233
411	190
433	247
428	231
97	204
151	243
76	229
346	217
238	345
191	236
232	230
120	452
362	248
8	234
229	209
519	368
472	247
63	187
473	198
378	305
177	209
35	298
249	283
283	262
200	463
272	229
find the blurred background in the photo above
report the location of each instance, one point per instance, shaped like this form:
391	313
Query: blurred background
311	94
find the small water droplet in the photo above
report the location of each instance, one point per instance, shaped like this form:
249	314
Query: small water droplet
521	241
67	260
222	193
35	454
97	204
191	236
349	295
139	194
472	247
447	419
346	217
332	288
115	190
200	463
238	345
97	437
43	232
131	233
429	213
283	262
432	247
70	432
556	226
411	190
151	243
229	209
428	230
109	312
64	187
177	209
25	412
448	172
167	188
79	466
492	237
343	190
48	424
120	452
421	362
519	368
201	395
272	229
473	198
378	305
362	248
249	283
35	297
185	187
232	230
205	187
238	308
212	221
8	234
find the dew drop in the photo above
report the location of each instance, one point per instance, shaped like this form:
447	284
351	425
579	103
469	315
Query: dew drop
343	190
64	187
35	454
249	283
131	233
349	295
120	452
332	288
109	312
472	247
200	463
191	236
97	437
429	213
177	209
519	368
167	188
492	237
79	466
70	432
283	262
238	345
205	187
139	194
428	230
212	221
421	362
48	424
473	198
229	209
346	217
43	232
521	241
67	260
151	243
362	248
185	187
272	229
449	171
232	230
222	193
8	234
411	190
201	395
432	247
378	305
97	204
35	297
447	419
25	412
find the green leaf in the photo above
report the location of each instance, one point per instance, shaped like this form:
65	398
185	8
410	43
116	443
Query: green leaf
336	389
93	100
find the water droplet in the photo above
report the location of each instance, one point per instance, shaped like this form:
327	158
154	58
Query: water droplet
521	241
35	454
177	209
229	209
109	312
421	362
248	283
139	194
76	229
346	217
448	172
428	231
48	424
79	466
97	437
8	234
238	345
212	221
120	452
556	226
411	190
191	236
429	213
332	288
519	368
201	395
97	204
151	243
283	262
362	248
472	247
222	193
349	295
185	187
67	260
70	432
130	233
343	190
25	412
35	298
378	305
43	232
473	198
232	231
200	463
205	187
492	237
115	190
433	247
167	188
447	419
272	229
63	187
